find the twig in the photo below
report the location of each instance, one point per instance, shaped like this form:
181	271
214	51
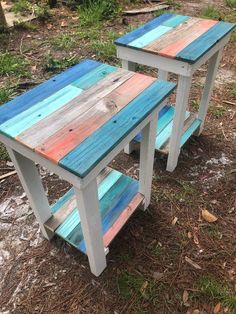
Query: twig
11	173
147	10
21	43
229	102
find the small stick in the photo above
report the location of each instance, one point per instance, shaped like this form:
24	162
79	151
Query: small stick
11	173
229	102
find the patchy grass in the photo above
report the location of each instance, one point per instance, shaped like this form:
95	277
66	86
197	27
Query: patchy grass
215	291
11	64
129	283
3	153
232	90
6	94
195	104
93	12
217	111
213	231
211	12
231	3
64	42
55	65
21	6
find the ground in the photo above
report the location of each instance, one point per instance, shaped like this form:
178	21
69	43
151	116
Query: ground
166	260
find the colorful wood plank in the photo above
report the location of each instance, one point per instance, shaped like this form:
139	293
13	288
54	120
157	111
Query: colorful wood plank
44	90
181	37
85	157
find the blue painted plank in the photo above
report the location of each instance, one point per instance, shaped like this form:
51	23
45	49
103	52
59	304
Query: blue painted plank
166	132
193	127
205	42
44	90
138	32
115	210
76	235
175	20
74	219
93	149
88	80
39	111
150	36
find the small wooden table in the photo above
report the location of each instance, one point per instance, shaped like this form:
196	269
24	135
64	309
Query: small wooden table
178	44
75	124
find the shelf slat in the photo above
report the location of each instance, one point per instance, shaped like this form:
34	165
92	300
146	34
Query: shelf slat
118	199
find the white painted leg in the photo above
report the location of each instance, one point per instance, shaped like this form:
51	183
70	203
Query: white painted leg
33	187
147	150
128	65
87	200
163	75
184	84
207	92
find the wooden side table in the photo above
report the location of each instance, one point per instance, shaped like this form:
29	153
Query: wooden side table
178	44
75	124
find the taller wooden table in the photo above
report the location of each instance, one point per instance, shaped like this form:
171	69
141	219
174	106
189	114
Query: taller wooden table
177	44
75	124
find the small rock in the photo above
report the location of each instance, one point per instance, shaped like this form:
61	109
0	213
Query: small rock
157	275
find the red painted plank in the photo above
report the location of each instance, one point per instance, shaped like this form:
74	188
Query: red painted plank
67	138
119	223
193	33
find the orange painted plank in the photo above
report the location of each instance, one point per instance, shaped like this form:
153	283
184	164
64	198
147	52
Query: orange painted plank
67	138
193	33
119	223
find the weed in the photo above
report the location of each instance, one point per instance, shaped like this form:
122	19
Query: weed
232	89
214	232
42	12
93	12
215	291
21	6
129	283
63	42
91	34
56	65
158	13
6	94
195	104
3	153
173	4
25	25
11	64
231	3
211	12
217	111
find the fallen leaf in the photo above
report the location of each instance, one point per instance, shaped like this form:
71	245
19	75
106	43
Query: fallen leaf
189	235
63	23
157	275
34	68
185	296
192	263
209	217
174	221
195	239
196	311
217	308
49	26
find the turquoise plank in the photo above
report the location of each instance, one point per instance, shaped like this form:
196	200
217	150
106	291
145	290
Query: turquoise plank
74	219
175	20
61	202
88	80
193	127
205	42
150	36
44	90
83	158
166	132
39	111
76	236
115	210
138	32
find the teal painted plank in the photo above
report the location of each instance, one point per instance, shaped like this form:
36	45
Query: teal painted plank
44	90
138	32
93	149
61	202
39	111
193	127
76	236
166	133
74	219
90	79
150	36
205	42
175	20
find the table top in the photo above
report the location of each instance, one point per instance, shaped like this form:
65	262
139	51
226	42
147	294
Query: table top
177	36
77	117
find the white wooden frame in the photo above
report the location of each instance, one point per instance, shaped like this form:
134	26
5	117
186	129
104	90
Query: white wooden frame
24	160
184	70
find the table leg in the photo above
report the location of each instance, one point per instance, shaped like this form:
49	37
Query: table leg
147	151
87	201
33	187
207	92
184	84
128	65
163	75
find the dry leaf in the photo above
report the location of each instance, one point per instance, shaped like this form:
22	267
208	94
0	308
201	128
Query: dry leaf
174	221
185	296
196	311
63	24
217	308
189	235
192	263
49	26
206	215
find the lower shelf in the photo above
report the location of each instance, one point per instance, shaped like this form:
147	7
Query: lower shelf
165	125
118	199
